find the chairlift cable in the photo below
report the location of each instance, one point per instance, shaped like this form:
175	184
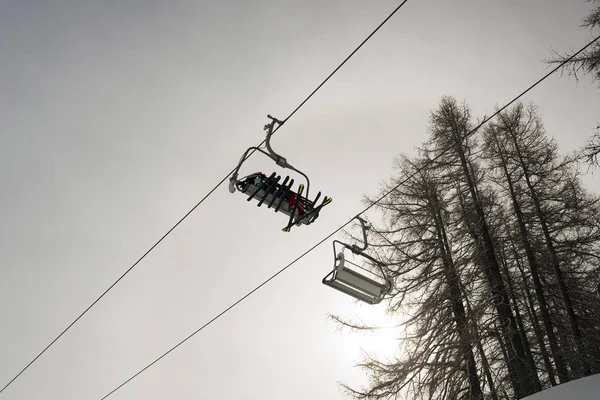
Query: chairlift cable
194	208
405	180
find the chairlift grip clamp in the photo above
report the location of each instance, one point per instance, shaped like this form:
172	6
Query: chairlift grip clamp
275	119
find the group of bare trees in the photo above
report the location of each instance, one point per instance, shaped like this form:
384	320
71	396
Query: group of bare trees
587	63
494	246
495	249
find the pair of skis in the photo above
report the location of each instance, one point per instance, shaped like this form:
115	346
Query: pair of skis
309	215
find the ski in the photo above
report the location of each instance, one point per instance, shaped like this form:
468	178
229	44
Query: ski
314	202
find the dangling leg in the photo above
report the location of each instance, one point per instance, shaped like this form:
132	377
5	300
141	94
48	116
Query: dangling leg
293	213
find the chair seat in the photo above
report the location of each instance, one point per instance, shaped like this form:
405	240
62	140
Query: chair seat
356	285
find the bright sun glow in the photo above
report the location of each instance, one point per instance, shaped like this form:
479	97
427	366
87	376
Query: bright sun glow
384	342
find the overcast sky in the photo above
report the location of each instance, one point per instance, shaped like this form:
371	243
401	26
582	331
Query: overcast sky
117	116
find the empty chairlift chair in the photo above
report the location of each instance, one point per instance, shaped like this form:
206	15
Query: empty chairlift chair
354	280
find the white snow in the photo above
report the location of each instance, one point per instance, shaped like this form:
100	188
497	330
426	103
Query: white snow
581	389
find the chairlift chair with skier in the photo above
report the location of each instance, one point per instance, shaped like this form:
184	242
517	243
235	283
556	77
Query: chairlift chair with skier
278	195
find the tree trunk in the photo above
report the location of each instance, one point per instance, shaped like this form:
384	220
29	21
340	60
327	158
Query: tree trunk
502	346
458	310
519	319
536	326
484	360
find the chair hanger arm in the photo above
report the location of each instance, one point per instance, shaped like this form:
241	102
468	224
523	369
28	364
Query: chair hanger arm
280	160
359	249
